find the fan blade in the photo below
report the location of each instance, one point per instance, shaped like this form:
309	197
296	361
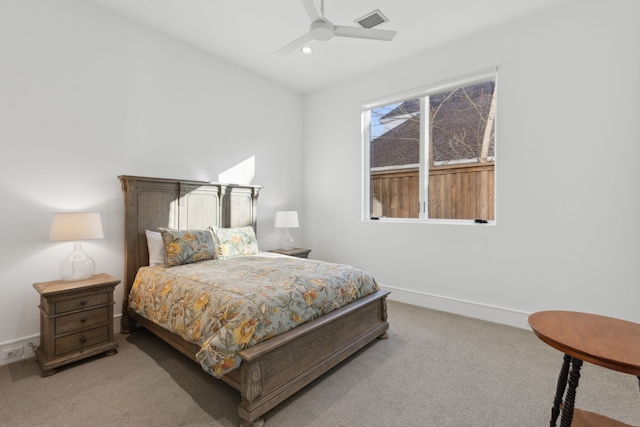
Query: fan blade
299	42
313	10
364	33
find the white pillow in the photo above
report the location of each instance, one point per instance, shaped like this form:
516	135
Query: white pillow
157	252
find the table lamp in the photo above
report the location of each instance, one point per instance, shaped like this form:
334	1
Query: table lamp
287	220
76	227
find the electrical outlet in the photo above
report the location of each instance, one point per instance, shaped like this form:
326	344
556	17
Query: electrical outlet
14	352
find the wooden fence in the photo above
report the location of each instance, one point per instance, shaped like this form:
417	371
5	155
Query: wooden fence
455	192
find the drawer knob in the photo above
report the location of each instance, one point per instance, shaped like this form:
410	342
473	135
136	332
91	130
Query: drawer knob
83	339
84	302
84	319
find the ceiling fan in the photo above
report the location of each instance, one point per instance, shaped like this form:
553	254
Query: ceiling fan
322	29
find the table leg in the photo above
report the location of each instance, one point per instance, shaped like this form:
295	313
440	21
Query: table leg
560	388
569	402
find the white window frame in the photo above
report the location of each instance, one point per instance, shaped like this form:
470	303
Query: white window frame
422	93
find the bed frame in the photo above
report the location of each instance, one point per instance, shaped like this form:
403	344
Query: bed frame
272	370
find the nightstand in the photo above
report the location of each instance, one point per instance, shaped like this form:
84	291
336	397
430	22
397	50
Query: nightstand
296	252
76	320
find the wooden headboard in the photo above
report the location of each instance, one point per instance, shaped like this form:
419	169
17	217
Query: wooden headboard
158	202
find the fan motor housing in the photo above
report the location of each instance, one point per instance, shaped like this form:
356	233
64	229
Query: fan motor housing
321	30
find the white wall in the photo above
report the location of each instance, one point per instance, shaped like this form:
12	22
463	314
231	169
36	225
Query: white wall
85	96
568	180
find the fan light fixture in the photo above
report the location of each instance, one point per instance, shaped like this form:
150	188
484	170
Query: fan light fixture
76	227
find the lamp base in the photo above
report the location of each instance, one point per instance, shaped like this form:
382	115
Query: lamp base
287	241
78	265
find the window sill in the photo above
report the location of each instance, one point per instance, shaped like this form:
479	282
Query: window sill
431	221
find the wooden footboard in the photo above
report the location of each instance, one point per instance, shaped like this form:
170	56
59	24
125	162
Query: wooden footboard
275	369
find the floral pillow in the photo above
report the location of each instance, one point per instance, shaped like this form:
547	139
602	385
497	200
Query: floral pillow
233	242
187	246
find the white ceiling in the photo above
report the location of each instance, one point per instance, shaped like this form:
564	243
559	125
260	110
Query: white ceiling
248	32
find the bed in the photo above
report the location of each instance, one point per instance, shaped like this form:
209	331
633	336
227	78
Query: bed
274	369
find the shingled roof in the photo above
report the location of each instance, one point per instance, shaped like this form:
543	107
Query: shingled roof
458	129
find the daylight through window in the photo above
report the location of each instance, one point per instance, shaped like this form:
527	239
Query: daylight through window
432	155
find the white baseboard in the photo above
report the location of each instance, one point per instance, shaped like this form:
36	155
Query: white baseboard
491	313
116	323
29	343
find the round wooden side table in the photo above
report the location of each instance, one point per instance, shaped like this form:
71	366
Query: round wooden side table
582	337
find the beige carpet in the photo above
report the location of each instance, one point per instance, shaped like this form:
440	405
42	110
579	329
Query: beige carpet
436	369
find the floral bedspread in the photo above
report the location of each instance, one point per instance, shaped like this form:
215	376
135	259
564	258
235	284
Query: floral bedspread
227	305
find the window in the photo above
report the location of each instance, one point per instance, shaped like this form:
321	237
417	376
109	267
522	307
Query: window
430	153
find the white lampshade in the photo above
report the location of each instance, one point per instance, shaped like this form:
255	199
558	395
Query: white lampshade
287	219
76	227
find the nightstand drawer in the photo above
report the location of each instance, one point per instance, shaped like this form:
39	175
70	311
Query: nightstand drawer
82	320
80	340
80	302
